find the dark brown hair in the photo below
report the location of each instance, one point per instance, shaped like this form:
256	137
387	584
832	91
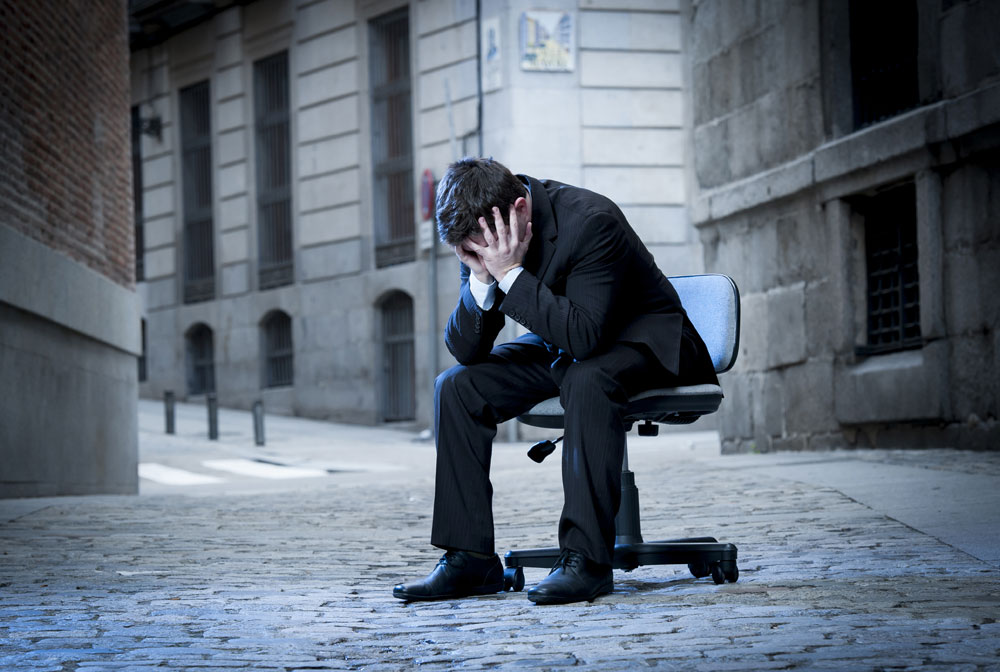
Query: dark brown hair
468	190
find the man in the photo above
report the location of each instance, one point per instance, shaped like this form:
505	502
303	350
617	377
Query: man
604	324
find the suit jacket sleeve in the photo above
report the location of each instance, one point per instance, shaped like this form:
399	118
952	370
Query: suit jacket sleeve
583	320
471	331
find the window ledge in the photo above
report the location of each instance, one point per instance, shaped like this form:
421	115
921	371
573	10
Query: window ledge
895	387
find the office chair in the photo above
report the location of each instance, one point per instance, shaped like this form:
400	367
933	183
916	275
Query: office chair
712	303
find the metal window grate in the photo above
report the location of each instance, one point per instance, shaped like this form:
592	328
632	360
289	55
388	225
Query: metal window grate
883	59
274	195
893	283
398	395
278	350
392	138
140	250
196	164
201	360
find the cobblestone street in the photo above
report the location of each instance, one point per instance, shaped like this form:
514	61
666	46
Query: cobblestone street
297	574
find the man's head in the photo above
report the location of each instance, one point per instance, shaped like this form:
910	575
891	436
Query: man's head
469	189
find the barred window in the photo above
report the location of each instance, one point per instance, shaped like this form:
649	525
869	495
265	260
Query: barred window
140	250
893	283
200	351
274	194
883	59
392	138
196	175
278	350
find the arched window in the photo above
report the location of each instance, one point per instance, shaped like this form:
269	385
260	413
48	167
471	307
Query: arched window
200	350
276	339
398	402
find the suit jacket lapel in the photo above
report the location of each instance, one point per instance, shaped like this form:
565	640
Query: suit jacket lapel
544	230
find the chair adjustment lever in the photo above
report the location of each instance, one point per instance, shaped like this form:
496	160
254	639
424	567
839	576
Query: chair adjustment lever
543	449
647	428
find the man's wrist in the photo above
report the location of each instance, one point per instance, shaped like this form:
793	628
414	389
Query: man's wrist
509	278
483	293
502	274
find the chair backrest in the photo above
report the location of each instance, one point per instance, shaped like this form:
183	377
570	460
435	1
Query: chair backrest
712	303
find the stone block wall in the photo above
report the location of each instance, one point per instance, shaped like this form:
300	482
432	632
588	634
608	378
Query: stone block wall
69	324
779	177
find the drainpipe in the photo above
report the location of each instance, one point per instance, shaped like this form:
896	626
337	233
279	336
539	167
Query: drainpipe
479	74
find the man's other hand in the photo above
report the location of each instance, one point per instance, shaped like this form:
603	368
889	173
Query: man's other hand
505	250
472	260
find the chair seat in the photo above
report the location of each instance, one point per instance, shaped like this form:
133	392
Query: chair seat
670	405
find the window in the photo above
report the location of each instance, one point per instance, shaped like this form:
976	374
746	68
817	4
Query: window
140	250
893	283
278	351
274	200
200	360
196	174
884	75
392	138
142	357
398	400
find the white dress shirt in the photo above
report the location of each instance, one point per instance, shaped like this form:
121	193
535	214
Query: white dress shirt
485	294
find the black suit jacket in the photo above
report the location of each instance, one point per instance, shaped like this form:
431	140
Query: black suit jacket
588	282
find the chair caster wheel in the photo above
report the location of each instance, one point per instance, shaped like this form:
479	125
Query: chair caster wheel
513	579
731	572
717	575
699	569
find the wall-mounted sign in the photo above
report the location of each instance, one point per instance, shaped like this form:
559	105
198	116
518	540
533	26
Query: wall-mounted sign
489	39
548	42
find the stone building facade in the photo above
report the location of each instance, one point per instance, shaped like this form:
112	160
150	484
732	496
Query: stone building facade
847	175
69	318
370	95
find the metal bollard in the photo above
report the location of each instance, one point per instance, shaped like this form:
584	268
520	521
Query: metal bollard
213	416
168	404
258	422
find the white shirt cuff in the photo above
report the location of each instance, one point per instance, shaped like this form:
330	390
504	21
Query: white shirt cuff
509	279
483	294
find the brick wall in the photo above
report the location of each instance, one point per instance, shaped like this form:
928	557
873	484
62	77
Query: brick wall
65	175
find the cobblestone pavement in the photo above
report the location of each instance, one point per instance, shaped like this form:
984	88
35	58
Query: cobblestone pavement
297	574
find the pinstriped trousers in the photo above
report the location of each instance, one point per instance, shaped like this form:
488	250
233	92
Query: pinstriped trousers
470	400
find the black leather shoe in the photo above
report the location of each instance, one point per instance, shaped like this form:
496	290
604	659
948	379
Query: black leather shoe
573	579
457	574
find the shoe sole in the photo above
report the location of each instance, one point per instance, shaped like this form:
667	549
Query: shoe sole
489	589
567	599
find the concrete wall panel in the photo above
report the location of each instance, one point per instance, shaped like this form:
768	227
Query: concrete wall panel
322	17
331	260
327	83
325	50
324	226
630	31
75	404
234	212
637	186
331	154
625	69
634	147
632	108
327	119
329	190
446	47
